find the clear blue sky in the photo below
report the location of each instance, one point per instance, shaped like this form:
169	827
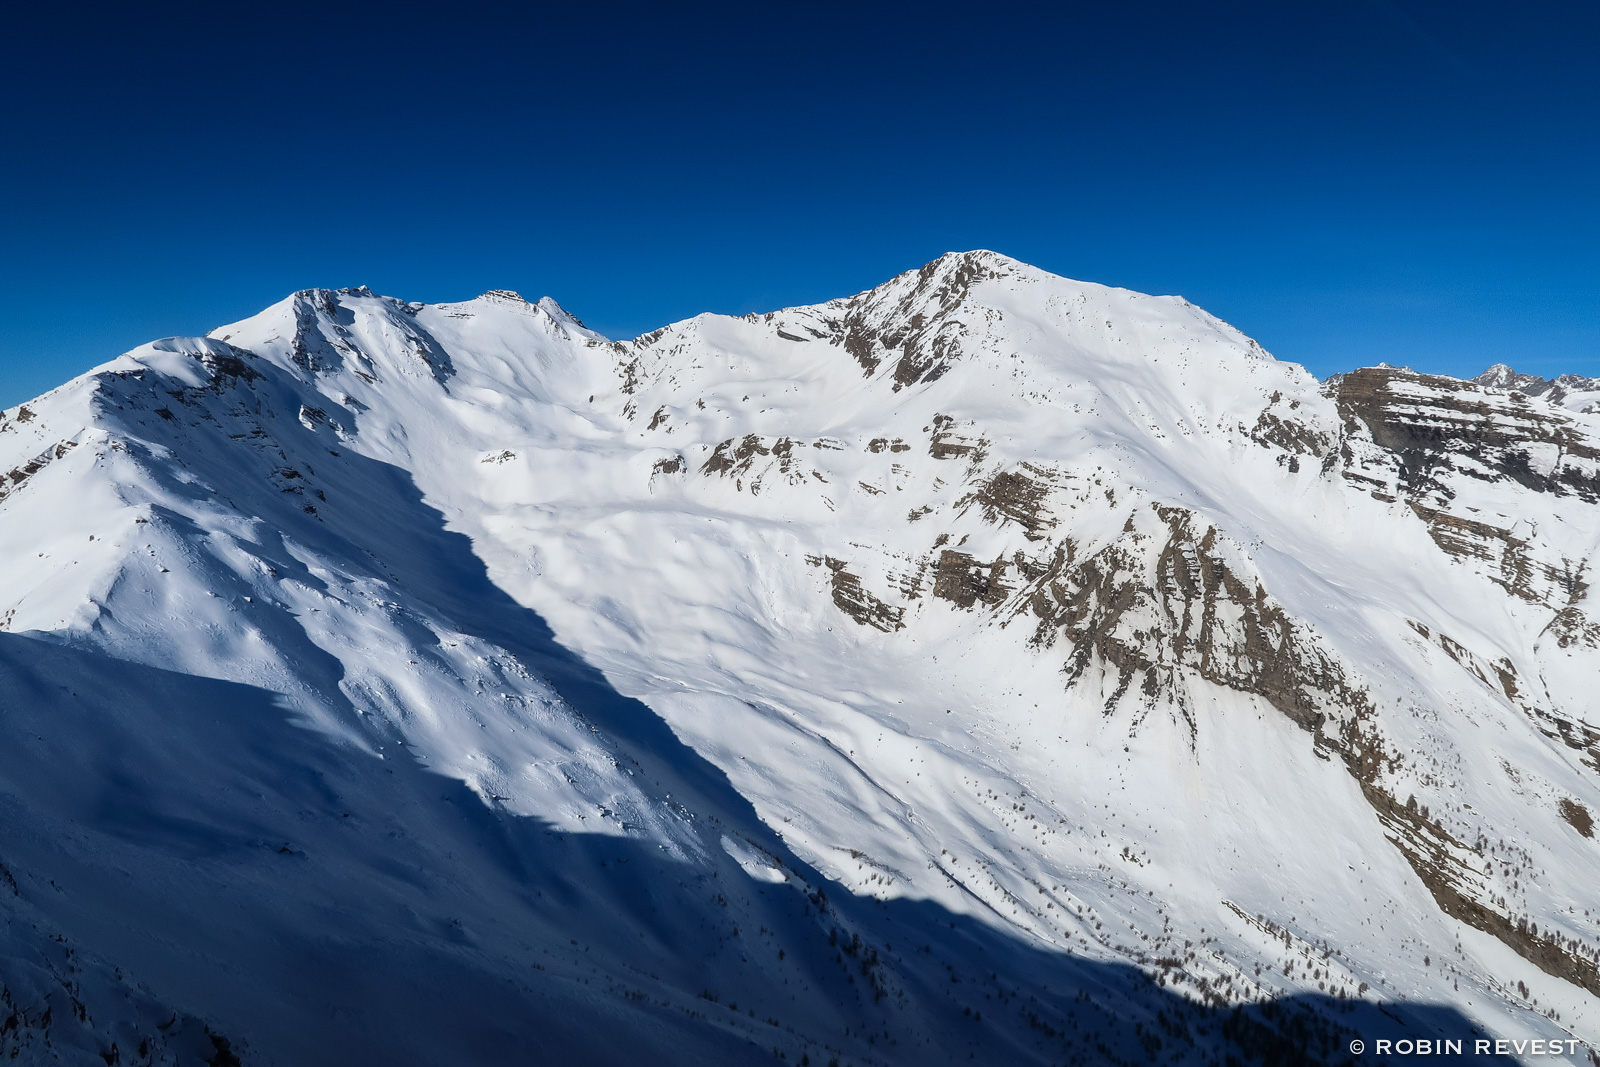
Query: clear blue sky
1348	182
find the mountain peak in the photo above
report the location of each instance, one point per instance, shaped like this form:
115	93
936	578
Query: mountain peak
1572	391
1503	376
1499	376
545	304
548	305
985	256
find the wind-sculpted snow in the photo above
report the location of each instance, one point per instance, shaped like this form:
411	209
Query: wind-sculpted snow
987	666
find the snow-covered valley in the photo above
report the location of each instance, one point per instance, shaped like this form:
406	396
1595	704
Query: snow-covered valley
988	667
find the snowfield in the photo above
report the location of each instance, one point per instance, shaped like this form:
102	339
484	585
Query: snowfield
988	667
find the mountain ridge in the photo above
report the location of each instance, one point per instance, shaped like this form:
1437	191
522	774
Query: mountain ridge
841	549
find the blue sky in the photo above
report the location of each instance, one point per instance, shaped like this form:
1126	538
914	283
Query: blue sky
1348	182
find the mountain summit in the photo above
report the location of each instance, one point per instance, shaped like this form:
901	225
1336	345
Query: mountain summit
987	667
1569	390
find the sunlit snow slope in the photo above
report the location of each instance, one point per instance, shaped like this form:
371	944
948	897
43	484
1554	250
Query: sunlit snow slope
986	667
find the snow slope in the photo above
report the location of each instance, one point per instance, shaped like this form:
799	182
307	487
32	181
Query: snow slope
427	683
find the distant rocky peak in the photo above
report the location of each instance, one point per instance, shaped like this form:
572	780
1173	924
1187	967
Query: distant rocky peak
1572	391
1502	376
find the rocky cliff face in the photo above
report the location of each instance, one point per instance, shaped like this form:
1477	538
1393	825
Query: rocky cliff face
1060	614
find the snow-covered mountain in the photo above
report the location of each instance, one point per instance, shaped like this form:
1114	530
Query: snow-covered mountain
987	667
1571	391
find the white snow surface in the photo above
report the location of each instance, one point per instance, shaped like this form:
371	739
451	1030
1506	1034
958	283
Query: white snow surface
277	598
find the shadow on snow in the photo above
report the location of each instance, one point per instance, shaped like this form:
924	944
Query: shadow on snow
322	905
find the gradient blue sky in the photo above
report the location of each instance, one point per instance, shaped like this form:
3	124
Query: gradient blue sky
1348	182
